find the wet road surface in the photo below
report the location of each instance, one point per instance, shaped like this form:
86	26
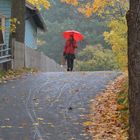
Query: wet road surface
49	106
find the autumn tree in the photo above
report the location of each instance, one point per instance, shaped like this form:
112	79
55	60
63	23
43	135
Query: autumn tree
18	13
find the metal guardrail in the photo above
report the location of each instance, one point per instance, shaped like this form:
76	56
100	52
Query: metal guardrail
5	53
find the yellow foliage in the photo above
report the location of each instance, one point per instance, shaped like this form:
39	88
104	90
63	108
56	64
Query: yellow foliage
117	38
13	24
87	123
101	7
39	3
103	4
13	74
87	9
100	4
2	28
73	2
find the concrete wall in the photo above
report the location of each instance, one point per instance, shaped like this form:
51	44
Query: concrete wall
19	55
27	57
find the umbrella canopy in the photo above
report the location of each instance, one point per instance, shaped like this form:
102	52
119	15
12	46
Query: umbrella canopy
77	35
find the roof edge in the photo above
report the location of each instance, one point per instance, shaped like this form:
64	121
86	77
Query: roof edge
34	9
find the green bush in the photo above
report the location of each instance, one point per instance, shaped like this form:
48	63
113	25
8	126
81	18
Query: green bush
122	100
2	73
95	58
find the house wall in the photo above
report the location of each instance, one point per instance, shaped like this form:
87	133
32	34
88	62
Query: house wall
30	34
5	10
30	27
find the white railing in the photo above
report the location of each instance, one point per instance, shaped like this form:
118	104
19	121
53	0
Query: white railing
5	53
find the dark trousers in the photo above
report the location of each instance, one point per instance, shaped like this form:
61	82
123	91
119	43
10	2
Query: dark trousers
70	62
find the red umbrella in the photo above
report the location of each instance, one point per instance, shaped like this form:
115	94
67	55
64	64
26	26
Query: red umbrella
77	35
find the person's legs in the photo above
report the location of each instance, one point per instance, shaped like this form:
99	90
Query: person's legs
71	64
68	63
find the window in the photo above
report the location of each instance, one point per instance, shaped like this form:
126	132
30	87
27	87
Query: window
1	32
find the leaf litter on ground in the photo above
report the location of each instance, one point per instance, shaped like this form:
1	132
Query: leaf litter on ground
109	112
14	74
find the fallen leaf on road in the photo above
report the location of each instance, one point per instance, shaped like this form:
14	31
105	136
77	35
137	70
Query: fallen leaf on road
72	139
35	124
40	119
7	119
6	126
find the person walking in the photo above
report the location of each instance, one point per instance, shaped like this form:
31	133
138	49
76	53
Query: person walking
69	52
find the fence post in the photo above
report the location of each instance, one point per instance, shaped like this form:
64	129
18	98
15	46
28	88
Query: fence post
12	52
24	56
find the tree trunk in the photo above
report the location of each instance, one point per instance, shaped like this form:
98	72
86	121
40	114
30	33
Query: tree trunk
133	19
18	12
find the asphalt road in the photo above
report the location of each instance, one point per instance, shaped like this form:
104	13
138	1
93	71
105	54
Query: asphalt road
49	106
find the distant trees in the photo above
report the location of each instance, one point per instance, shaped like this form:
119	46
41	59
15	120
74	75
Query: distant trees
96	58
113	12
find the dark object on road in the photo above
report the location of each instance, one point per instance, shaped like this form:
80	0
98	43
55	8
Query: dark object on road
35	99
70	108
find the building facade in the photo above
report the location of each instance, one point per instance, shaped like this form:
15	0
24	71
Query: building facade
33	22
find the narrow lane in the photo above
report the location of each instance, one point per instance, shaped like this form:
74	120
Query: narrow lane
49	106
